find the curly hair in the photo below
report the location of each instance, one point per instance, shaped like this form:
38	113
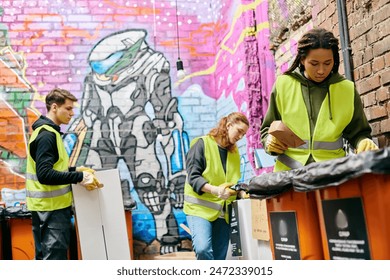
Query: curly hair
316	38
220	132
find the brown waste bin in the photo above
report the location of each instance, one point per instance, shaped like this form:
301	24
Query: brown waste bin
1	231
18	228
355	218
129	227
352	195
292	216
22	239
294	228
19	231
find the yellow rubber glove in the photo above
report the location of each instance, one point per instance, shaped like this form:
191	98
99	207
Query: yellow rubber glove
366	145
226	185
83	168
90	182
273	145
94	185
97	183
87	179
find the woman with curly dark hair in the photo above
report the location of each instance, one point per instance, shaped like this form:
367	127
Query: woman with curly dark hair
318	104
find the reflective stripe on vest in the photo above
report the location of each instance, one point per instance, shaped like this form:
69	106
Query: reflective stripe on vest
49	194
290	162
41	197
338	144
326	142
206	205
294	164
321	145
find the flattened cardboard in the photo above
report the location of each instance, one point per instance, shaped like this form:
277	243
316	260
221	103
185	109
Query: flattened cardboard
285	135
259	219
101	221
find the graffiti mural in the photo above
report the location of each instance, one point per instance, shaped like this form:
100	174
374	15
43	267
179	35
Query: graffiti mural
16	117
130	117
118	58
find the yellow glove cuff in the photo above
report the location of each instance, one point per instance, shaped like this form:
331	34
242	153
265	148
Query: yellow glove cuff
94	185
83	168
366	145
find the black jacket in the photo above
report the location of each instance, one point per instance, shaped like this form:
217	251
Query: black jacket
44	152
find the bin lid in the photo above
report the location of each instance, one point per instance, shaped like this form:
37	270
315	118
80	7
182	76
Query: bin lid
16	212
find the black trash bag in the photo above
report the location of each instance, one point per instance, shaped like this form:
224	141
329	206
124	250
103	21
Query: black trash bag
240	187
20	211
335	172
268	185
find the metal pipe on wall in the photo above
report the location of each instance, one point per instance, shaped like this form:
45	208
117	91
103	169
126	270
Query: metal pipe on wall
344	38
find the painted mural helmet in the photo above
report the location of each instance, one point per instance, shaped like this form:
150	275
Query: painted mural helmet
115	53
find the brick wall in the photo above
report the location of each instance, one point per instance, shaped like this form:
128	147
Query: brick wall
369	31
47	44
55	43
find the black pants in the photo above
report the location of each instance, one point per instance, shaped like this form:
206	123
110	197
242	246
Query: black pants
51	230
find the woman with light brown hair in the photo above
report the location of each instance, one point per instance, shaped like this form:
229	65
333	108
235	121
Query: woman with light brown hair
213	166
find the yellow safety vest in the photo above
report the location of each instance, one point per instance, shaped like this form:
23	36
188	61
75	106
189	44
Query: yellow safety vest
209	206
326	142
41	197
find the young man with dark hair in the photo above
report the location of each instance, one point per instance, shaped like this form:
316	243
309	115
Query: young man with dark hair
48	178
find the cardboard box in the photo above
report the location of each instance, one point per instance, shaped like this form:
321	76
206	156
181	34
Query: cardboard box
182	255
259	219
101	236
285	134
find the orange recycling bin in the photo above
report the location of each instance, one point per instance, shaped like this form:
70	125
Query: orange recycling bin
355	218
344	202
129	226
17	233
22	240
1	232
294	227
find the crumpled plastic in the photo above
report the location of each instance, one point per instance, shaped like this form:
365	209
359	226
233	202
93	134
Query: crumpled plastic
320	174
19	211
270	184
335	172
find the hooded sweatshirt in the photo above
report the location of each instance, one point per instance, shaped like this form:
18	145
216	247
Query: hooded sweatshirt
314	94
44	151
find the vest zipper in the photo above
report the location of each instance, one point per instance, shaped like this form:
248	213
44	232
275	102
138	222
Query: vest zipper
329	105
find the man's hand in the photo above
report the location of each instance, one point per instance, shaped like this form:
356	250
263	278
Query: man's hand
273	145
90	182
83	168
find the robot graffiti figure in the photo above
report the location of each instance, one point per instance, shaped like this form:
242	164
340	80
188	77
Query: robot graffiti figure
127	105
